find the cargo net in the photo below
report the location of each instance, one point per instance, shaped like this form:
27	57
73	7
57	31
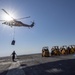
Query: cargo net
13	42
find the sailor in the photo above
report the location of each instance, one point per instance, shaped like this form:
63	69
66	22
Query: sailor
13	56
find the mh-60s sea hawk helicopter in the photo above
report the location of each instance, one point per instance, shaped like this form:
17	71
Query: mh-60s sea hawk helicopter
15	22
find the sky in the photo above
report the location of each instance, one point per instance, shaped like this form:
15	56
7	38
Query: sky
54	25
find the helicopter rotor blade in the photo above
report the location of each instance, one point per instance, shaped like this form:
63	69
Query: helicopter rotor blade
8	13
23	18
12	17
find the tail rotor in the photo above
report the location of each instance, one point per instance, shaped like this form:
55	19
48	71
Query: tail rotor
32	24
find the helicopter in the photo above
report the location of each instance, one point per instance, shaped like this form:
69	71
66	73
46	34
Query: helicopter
15	22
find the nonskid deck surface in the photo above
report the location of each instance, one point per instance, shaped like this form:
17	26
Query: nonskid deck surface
38	65
15	69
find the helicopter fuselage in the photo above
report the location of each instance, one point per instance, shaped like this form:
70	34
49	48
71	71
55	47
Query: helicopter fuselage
13	23
17	23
